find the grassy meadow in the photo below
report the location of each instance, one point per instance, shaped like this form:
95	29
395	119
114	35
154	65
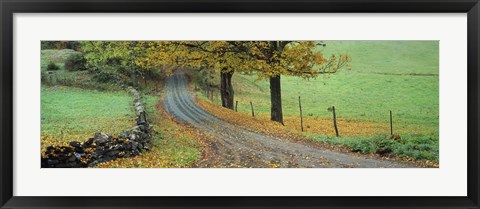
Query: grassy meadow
73	78
74	106
73	114
72	109
401	76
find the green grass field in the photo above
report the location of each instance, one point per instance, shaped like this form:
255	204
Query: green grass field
381	79
69	113
72	114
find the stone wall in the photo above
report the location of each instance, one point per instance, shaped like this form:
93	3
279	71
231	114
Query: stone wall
103	147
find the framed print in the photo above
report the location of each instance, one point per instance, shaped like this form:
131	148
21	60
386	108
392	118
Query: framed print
196	104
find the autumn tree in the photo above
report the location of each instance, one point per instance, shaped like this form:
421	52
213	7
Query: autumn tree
270	59
114	59
200	54
225	57
296	58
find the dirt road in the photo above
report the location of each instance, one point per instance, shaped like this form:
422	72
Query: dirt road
233	146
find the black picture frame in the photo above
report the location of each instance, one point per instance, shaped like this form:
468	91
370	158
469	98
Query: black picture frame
9	7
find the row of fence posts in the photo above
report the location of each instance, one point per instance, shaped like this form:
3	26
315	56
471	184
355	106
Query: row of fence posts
251	106
335	118
332	109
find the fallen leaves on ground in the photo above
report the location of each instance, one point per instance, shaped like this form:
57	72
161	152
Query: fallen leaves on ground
292	131
175	145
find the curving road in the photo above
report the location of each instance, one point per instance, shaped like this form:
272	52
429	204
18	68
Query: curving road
233	146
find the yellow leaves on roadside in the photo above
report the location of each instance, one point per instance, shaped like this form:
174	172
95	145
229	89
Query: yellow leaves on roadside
292	129
175	145
245	120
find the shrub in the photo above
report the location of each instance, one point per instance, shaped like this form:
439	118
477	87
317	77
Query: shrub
52	66
75	62
417	147
104	76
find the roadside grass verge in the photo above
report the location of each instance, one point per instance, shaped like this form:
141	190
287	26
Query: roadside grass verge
409	147
324	126
421	148
173	145
73	114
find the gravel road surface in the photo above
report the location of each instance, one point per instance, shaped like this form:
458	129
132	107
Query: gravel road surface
233	146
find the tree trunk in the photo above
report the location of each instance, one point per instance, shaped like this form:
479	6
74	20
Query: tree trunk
276	99
226	89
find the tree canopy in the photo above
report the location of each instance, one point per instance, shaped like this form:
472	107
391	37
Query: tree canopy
268	59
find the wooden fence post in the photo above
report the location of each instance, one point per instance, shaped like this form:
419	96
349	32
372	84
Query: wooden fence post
236	105
251	105
391	124
301	115
335	121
